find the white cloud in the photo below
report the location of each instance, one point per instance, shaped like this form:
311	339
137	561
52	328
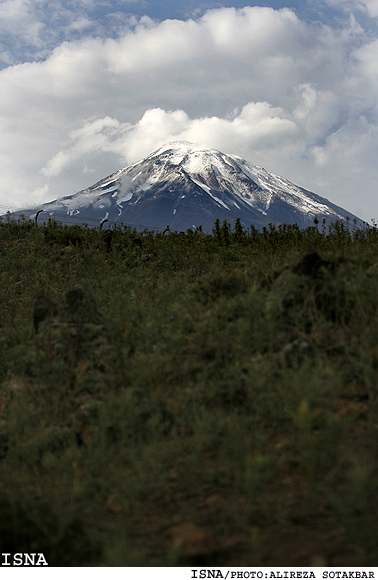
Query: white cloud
16	18
295	96
368	62
97	136
349	154
256	124
372	7
368	6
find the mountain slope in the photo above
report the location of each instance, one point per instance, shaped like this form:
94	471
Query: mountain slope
185	186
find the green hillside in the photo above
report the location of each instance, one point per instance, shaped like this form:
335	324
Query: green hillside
183	399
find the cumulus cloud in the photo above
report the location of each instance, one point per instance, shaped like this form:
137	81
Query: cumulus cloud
256	124
97	136
294	96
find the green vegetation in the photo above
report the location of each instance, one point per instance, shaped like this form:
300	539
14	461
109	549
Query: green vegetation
222	411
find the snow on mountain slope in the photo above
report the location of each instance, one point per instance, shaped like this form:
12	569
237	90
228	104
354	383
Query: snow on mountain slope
184	186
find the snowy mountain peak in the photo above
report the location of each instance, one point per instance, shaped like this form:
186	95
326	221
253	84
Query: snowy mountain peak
180	149
189	156
185	185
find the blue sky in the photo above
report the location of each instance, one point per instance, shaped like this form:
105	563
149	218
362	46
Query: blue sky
90	86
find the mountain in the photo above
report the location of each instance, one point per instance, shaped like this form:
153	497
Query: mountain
185	186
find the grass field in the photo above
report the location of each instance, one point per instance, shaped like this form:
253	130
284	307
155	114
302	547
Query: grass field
211	400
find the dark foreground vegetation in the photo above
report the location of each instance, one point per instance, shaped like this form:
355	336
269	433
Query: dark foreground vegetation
189	399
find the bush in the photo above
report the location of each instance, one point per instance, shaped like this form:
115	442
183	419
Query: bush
220	398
